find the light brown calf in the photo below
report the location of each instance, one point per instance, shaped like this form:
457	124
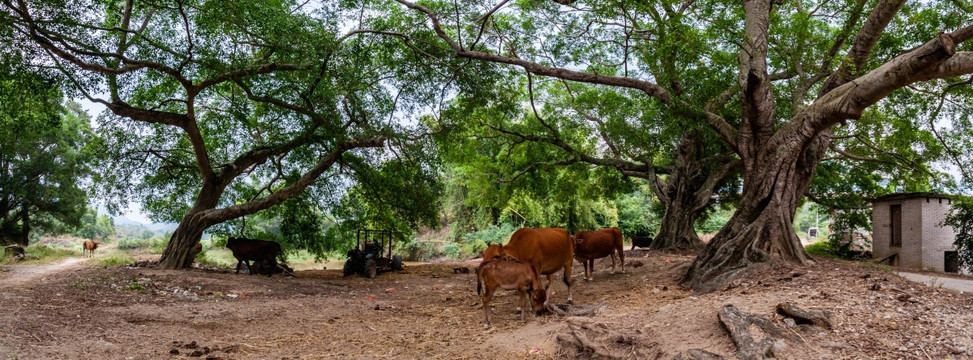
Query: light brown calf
509	275
549	250
89	247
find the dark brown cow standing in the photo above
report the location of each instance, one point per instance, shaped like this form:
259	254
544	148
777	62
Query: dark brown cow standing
642	240
89	246
509	275
591	245
245	250
547	249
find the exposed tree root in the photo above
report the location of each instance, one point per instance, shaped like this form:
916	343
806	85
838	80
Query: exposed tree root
587	339
802	316
698	354
754	336
575	310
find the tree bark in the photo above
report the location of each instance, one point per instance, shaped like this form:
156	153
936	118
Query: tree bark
689	188
184	244
24	237
677	232
761	230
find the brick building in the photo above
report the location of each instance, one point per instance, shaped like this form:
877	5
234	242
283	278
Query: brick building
907	232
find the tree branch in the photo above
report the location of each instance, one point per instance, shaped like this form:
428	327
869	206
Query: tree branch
538	69
216	216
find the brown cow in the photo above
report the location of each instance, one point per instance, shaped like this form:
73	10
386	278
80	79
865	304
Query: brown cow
547	249
89	246
591	245
510	275
642	240
245	250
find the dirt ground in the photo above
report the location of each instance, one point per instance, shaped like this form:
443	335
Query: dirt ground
71	310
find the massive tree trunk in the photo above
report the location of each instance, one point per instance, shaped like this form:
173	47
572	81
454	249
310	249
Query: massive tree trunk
184	244
762	230
687	190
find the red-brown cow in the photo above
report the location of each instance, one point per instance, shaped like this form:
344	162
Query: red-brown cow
510	275
89	246
591	245
547	249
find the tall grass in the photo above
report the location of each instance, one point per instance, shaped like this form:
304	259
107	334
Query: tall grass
43	254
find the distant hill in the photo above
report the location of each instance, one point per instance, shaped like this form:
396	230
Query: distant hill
125	227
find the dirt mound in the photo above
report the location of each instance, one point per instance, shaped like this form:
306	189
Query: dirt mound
432	311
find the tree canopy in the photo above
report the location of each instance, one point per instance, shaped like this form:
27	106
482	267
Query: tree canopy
217	110
43	160
773	81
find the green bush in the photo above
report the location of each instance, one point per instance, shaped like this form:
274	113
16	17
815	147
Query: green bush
451	251
491	234
475	247
154	245
416	250
819	248
114	260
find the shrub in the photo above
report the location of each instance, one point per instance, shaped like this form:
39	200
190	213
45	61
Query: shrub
114	260
819	248
451	251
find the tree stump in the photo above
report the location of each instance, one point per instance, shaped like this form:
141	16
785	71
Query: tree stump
17	251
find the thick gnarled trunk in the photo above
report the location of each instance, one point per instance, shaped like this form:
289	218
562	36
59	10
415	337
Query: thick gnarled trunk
183	247
184	244
688	189
677	231
761	230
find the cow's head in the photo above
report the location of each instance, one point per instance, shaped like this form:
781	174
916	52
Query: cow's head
538	295
492	252
579	238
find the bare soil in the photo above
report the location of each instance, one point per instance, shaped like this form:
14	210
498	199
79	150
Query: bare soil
74	311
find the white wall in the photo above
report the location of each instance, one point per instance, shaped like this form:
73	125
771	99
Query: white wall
937	239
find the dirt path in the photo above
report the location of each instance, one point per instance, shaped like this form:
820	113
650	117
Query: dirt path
15	275
68	310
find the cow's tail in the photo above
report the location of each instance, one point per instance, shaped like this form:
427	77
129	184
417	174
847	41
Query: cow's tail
479	282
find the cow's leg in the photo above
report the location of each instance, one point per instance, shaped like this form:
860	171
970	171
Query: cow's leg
567	279
590	270
621	257
248	266
612	255
487	295
239	263
523	304
550	283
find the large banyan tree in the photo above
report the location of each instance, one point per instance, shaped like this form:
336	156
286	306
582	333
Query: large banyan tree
773	79
220	109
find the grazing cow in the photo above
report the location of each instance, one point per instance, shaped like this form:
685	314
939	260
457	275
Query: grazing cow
89	247
642	240
245	250
591	245
510	275
547	249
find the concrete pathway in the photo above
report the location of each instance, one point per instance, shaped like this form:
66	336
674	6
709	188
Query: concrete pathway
946	282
